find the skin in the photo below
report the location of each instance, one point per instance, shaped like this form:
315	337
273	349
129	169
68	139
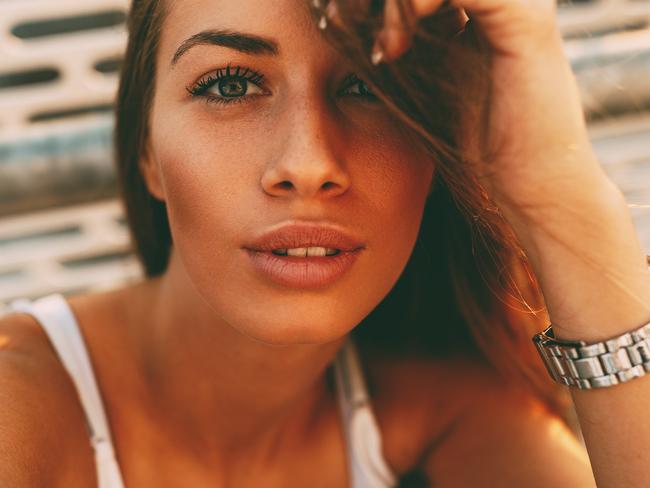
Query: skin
213	376
344	158
572	221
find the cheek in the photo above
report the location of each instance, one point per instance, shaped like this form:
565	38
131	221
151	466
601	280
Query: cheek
214	200
212	182
206	177
398	185
208	185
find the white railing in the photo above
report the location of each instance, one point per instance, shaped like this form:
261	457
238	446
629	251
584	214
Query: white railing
67	250
72	55
586	19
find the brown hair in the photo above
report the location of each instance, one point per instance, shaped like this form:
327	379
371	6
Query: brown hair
467	288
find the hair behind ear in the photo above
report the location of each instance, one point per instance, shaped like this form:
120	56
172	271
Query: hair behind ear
146	214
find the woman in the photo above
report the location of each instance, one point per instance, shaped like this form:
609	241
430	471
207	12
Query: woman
277	201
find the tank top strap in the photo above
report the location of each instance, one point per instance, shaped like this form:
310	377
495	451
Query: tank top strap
57	320
367	465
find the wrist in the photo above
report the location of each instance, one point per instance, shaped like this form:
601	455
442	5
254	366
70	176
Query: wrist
579	219
588	261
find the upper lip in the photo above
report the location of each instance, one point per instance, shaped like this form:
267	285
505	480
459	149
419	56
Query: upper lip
300	235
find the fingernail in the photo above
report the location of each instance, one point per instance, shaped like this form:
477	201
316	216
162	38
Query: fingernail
331	10
322	23
377	53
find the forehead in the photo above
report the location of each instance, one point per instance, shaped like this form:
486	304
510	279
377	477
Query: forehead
288	22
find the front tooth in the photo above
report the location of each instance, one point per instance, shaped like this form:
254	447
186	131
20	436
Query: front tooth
299	252
316	251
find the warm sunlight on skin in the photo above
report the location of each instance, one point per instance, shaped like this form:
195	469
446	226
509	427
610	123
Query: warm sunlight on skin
558	432
301	145
4	341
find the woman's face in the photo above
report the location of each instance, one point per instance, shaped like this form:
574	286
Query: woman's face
284	136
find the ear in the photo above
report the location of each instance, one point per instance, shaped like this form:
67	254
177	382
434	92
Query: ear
150	171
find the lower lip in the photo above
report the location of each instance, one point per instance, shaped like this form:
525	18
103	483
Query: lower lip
309	272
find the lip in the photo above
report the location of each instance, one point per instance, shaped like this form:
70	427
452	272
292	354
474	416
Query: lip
291	236
307	272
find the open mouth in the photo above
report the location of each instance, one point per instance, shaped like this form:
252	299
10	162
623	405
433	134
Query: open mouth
304	252
303	267
304	255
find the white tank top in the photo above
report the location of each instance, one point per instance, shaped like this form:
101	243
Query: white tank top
367	466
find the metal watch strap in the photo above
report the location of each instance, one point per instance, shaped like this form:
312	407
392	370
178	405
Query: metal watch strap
596	365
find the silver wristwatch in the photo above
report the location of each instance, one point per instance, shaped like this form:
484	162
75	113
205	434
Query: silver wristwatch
596	365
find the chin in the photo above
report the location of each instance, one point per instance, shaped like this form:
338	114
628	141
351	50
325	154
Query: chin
294	331
280	316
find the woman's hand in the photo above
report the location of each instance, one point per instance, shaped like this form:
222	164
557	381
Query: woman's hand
535	151
534	157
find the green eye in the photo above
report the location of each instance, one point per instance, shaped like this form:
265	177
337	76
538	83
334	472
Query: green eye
233	88
229	85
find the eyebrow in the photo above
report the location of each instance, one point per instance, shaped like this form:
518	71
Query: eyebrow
246	43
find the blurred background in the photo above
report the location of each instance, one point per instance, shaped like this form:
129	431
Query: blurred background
61	227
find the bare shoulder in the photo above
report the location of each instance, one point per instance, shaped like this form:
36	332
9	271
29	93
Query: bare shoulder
456	421
43	438
503	435
416	401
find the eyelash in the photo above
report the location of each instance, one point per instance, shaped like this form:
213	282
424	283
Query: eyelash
201	88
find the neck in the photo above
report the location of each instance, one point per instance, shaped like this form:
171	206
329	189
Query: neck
202	373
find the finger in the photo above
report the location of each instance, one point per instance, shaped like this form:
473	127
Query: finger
401	18
395	37
327	13
427	7
333	14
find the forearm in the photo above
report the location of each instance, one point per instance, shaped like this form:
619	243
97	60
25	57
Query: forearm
595	280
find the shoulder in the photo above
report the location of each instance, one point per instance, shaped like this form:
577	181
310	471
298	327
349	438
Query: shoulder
415	401
503	432
42	431
461	424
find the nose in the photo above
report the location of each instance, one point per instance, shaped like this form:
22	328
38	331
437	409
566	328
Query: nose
308	164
